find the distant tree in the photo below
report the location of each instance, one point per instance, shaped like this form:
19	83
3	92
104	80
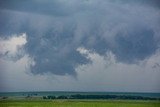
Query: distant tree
62	97
44	97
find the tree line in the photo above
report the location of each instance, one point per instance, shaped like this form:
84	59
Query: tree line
79	96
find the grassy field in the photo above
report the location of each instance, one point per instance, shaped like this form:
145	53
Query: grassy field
78	103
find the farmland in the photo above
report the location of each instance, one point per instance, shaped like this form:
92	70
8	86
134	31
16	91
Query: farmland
78	103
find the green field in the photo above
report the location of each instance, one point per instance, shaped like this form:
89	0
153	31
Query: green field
78	103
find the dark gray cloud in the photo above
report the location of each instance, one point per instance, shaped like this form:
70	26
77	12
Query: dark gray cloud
154	3
136	44
32	6
55	29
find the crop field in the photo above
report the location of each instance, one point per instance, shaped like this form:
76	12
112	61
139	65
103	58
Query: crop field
78	103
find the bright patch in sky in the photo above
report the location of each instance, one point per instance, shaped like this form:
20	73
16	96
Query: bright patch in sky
10	46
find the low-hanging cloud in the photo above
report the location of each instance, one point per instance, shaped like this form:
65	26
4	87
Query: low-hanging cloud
109	74
55	30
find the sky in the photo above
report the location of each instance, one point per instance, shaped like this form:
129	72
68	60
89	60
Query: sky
80	45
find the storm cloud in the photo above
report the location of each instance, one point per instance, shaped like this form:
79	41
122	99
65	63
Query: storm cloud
56	29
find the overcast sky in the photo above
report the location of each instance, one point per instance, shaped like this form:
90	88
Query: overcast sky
80	45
